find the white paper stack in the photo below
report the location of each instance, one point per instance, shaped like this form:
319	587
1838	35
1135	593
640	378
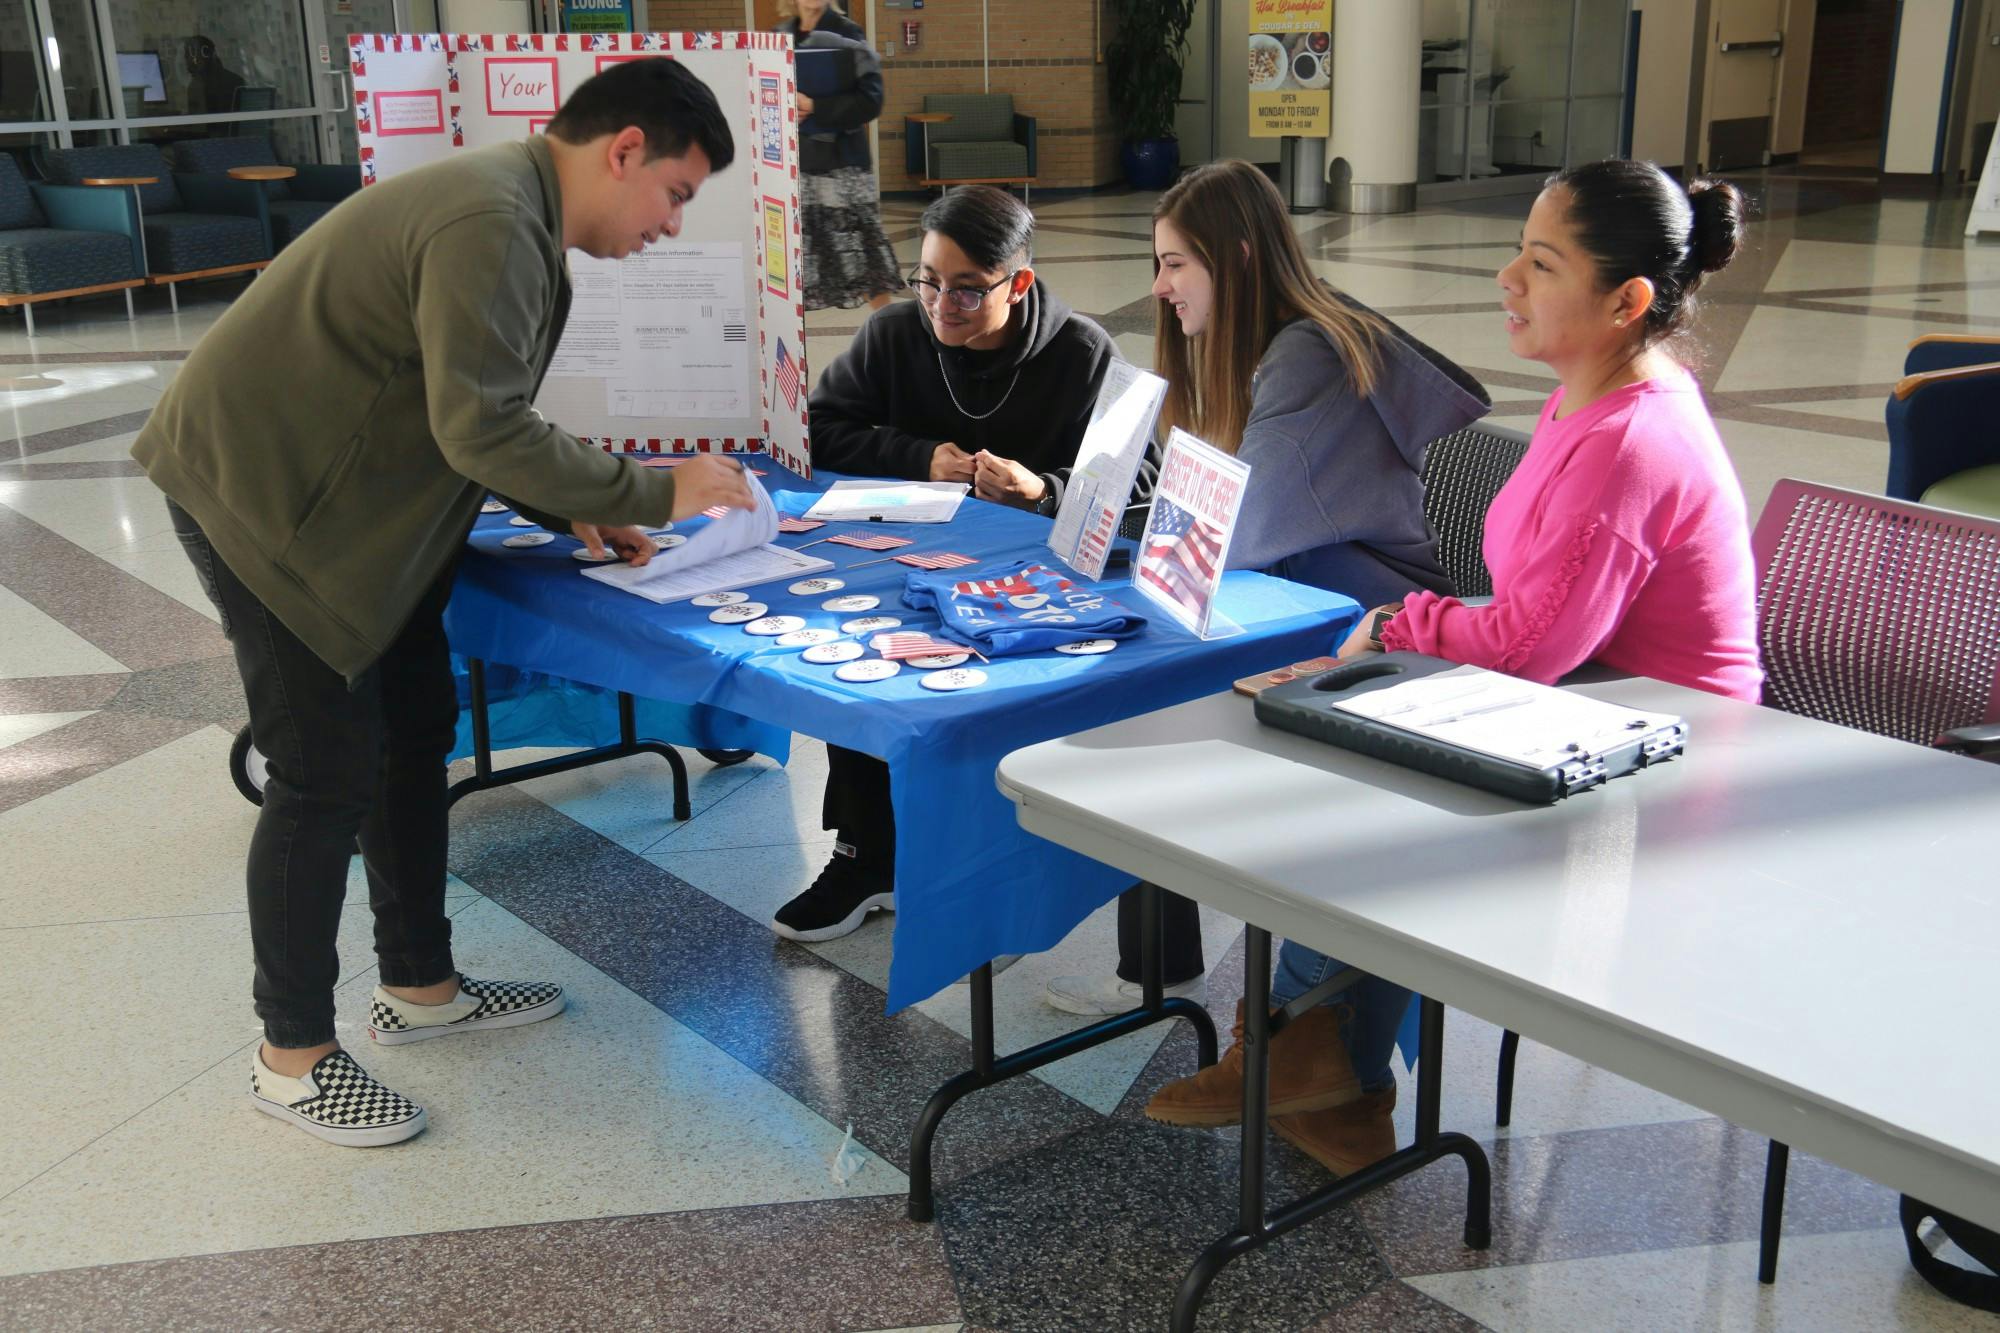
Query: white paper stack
889	502
733	551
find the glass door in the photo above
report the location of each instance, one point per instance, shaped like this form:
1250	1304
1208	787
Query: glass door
340	20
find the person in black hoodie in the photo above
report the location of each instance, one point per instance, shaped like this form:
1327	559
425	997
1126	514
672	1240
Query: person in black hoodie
986	378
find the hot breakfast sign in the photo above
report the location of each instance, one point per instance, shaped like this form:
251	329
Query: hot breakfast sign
1291	64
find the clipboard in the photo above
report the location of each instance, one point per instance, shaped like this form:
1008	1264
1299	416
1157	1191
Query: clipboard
1611	741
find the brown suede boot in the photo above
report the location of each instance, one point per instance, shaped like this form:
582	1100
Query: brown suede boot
1309	1071
1343	1139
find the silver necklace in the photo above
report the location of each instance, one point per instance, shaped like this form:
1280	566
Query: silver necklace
946	376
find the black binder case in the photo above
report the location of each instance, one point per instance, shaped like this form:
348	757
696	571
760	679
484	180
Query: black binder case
1307	708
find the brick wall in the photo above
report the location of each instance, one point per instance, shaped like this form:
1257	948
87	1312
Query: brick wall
691	15
1849	84
1041	51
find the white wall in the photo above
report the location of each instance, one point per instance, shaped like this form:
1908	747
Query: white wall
1660	101
1917	98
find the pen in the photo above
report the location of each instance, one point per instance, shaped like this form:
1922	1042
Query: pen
1496	706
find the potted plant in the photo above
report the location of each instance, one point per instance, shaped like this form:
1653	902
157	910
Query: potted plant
1144	67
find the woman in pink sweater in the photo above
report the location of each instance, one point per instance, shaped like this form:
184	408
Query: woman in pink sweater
1621	539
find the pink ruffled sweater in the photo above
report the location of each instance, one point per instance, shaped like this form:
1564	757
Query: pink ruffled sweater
1622	539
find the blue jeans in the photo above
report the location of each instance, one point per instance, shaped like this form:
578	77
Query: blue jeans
1378	1009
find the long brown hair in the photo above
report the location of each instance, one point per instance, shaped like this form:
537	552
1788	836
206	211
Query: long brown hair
1234	221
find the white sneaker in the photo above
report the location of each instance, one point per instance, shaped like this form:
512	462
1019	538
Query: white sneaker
336	1101
480	1005
1095	996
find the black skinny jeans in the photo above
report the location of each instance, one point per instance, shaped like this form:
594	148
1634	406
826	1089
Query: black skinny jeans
366	764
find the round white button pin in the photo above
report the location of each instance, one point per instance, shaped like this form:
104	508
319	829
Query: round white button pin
738	613
520	522
808	587
872	669
1088	648
937	661
826	654
585	554
493	507
806	638
869	624
719	599
856	602
962	678
528	539
771	627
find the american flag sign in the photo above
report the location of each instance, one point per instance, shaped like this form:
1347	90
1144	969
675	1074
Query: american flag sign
897	647
1182	559
788	376
869	541
938	560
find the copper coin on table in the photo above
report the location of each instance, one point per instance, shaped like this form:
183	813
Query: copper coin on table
938	661
854	602
961	678
1280	677
869	624
738	613
826	654
1312	666
873	669
806	638
770	627
718	598
520	522
588	556
493	507
528	539
808	587
1087	648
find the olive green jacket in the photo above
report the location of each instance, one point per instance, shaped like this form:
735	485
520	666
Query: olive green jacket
336	430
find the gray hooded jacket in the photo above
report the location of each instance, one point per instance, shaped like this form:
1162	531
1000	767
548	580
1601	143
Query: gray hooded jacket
1336	484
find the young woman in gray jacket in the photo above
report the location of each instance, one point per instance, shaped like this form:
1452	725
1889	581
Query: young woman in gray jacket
1331	405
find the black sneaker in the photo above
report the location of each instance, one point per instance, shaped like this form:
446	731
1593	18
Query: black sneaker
836	904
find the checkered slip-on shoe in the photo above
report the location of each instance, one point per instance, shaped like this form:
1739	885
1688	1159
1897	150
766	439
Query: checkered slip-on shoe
337	1101
480	1005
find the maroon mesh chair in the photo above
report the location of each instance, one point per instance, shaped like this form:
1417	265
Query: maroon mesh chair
1882	615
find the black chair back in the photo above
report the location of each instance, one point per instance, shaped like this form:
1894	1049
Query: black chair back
1463	471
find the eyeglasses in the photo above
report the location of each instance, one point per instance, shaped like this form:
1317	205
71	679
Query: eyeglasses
962	298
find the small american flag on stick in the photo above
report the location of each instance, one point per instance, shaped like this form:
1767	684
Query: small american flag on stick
938	560
897	647
788	376
786	523
869	541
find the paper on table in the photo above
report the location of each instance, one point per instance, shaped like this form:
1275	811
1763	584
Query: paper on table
1505	718
739	569
737	530
889	501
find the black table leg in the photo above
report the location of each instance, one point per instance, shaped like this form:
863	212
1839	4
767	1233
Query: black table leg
1253	1228
988	1070
1771	1226
486	778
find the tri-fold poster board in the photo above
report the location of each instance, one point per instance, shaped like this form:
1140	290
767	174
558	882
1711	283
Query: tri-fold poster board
695	345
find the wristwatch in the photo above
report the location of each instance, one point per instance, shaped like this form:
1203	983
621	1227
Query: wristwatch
1383	615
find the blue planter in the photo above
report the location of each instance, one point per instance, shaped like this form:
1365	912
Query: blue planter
1150	164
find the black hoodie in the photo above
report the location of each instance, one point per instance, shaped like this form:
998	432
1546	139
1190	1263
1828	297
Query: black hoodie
882	407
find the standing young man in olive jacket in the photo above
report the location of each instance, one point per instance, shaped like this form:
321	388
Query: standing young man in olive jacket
325	450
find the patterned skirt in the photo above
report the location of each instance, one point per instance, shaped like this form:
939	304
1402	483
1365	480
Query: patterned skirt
848	260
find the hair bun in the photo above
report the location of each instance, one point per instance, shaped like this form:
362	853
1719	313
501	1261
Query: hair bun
1717	235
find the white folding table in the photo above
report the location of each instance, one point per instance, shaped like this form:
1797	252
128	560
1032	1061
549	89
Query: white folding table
1795	926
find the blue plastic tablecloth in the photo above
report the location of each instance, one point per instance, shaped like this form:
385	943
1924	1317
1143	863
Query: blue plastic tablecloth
970	884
